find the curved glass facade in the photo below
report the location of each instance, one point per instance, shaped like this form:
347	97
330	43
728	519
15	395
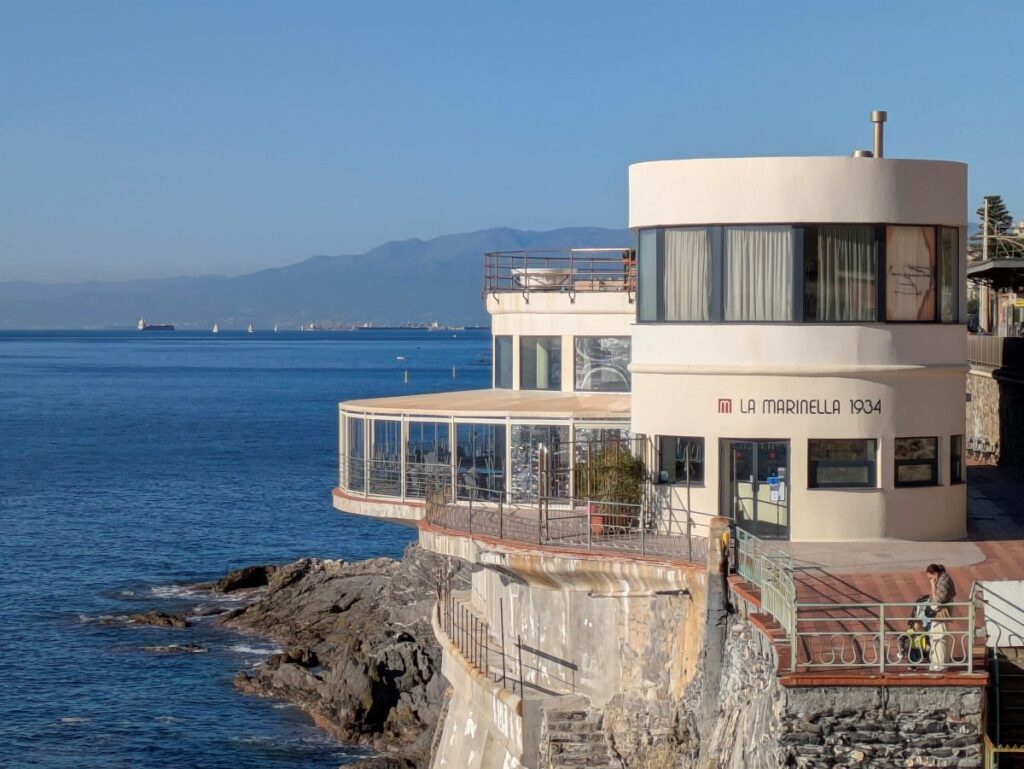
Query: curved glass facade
809	273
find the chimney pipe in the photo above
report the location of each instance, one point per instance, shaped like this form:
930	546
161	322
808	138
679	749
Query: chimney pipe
878	117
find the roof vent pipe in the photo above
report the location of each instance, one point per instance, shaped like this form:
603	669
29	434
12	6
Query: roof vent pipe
878	117
863	154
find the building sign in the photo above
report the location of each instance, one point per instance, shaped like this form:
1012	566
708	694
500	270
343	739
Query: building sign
800	406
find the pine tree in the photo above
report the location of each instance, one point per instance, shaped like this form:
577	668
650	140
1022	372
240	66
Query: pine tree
999	218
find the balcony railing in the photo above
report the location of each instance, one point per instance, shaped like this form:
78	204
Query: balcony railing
572	271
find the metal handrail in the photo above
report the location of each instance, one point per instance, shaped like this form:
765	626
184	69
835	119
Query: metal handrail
560	270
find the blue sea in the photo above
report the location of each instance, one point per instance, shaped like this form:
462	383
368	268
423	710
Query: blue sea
135	463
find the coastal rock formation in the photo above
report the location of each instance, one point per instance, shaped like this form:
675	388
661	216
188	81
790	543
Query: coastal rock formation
361	657
158	619
248	577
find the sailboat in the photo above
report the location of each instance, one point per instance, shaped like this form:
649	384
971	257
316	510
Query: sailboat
216	330
275	328
249	330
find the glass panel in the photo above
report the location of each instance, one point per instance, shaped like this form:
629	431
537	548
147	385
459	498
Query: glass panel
916	461
385	469
540	363
910	273
355	469
428	458
956	459
838	463
526	443
772	489
678	455
602	363
758	273
949	264
649	275
481	461
503	362
739	484
840	280
686	282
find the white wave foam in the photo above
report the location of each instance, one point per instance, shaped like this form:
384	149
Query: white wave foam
102	618
262	651
75	720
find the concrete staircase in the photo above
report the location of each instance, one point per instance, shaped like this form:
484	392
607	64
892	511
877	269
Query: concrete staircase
571	736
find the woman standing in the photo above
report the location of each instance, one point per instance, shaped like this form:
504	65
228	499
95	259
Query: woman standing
943	591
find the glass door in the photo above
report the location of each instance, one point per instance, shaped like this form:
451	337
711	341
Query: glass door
755	486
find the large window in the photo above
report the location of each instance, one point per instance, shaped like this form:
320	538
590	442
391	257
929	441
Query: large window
910	273
480	461
814	273
917	461
540	363
503	362
682	459
602	363
428	458
355	447
385	464
956	459
527	461
842	463
840	273
758	274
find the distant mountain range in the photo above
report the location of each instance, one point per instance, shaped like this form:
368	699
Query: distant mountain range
401	281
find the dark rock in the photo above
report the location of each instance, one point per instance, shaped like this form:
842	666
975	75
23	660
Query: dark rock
361	656
158	619
250	576
176	649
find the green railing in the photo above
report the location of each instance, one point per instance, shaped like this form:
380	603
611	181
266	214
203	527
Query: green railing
771	570
882	636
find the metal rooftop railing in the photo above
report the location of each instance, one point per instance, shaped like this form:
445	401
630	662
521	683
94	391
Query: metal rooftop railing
571	271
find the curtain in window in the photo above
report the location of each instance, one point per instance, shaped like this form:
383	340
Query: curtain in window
687	274
910	279
758	273
846	273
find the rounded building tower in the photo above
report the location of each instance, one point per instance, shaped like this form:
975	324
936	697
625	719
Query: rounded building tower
799	351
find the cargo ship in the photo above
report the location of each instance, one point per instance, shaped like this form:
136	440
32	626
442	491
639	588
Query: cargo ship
143	326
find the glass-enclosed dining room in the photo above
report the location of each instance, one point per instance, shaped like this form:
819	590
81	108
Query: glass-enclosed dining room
482	459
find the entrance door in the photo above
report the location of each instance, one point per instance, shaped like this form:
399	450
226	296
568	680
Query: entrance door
755	486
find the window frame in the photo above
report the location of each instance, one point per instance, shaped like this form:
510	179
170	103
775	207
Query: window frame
814	464
512	359
805	251
575	361
933	462
681	480
552	371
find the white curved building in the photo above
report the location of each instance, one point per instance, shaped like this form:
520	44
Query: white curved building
787	340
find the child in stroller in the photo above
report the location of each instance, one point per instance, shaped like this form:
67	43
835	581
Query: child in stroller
915	644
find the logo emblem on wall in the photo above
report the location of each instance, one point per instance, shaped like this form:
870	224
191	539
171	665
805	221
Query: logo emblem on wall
725	405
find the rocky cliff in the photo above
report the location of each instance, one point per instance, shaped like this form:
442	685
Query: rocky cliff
360	655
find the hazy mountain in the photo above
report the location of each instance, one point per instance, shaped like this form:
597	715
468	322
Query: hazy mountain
407	280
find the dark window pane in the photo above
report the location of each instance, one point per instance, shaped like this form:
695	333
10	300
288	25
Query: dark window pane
917	461
649	278
427	458
842	463
949	265
503	362
680	455
602	363
480	461
956	459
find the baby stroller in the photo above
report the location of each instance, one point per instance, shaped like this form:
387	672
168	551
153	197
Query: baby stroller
915	642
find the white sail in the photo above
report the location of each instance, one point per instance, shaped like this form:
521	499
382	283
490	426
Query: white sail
250	328
216	330
142	324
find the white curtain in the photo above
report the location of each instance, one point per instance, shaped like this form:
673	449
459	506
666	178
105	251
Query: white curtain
758	274
910	278
846	273
687	274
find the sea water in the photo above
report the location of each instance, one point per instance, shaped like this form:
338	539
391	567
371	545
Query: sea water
135	463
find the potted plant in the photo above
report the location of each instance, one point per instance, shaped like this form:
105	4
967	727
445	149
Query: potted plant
612	480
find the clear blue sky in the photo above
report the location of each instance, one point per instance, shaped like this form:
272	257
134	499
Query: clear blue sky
143	139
